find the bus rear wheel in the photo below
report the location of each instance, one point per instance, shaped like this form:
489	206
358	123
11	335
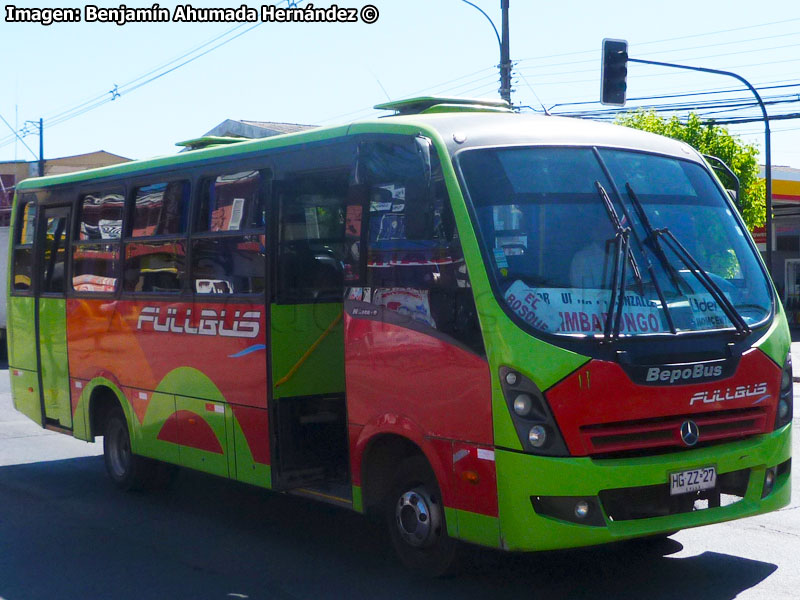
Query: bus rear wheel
416	520
127	470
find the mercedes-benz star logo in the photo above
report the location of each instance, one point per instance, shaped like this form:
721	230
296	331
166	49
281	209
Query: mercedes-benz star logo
690	433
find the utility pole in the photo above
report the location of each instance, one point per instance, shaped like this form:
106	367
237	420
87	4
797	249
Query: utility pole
40	125
505	56
41	147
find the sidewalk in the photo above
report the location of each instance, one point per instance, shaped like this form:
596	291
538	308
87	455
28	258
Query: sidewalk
796	353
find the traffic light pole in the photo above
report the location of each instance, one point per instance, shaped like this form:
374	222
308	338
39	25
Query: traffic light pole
767	150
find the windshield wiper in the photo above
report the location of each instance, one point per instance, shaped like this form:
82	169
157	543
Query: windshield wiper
683	254
625	255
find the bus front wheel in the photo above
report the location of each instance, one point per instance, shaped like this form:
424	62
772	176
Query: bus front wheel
416	520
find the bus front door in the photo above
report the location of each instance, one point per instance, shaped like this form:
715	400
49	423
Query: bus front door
51	316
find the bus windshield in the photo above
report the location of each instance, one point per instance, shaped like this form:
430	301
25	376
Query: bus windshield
599	242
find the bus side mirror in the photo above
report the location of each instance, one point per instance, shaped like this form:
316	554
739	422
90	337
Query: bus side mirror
734	196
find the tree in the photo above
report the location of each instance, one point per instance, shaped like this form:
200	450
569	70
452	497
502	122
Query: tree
715	140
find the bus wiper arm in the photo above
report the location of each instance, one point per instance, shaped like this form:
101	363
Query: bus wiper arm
619	228
702	275
683	254
621	258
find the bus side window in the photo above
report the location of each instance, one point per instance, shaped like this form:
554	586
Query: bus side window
155	255
23	243
229	240
312	248
415	265
95	254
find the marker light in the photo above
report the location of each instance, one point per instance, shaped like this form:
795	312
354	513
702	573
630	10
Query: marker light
522	405
582	509
512	378
537	436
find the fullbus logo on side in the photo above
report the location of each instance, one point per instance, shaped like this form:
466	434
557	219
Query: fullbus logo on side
671	375
211	322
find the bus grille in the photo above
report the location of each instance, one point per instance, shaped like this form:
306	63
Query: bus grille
663	433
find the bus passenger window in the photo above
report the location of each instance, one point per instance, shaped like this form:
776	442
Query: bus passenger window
232	202
229	265
96	252
23	244
155	266
161	209
229	239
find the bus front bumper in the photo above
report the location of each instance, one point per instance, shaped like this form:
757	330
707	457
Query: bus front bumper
629	497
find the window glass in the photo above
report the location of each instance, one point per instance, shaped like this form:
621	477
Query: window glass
23	256
161	209
27	222
547	221
54	255
94	267
312	238
228	265
231	202
101	216
23	268
155	266
415	267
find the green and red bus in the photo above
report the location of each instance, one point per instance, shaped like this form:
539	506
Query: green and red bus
518	331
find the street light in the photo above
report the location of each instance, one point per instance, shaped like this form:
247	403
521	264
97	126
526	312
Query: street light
505	50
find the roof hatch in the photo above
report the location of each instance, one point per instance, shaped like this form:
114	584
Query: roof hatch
438	104
209	141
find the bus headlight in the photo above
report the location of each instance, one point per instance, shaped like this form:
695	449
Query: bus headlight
535	425
783	414
523	405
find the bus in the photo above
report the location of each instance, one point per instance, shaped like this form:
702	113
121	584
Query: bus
518	331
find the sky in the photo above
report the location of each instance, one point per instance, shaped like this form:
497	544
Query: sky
333	73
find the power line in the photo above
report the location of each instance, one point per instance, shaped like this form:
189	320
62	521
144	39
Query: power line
142	80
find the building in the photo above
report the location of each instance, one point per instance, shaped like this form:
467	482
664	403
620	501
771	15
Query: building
785	238
254	129
12	172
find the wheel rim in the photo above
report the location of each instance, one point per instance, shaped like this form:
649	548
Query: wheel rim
120	452
419	518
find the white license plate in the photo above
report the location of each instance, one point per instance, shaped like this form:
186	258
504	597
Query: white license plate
692	480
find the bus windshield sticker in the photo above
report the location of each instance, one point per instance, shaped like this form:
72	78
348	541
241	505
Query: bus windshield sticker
578	310
707	312
500	259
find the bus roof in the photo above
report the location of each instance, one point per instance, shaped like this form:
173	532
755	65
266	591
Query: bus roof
459	129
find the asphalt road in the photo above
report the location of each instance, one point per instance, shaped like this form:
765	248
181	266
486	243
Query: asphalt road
66	533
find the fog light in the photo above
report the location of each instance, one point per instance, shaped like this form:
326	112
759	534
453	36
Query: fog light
783	409
537	436
582	509
511	378
769	482
522	405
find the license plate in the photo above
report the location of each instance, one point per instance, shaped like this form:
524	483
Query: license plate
683	482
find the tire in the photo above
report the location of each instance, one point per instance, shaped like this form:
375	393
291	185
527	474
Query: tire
416	520
126	470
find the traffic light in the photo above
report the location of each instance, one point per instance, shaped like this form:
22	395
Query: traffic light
614	72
